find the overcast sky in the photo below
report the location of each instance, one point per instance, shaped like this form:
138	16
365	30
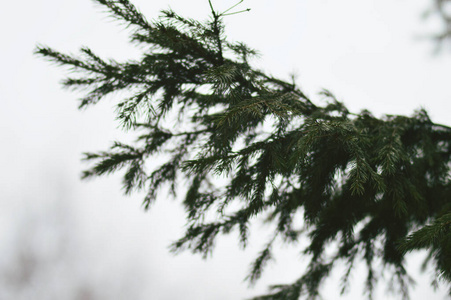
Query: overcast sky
370	54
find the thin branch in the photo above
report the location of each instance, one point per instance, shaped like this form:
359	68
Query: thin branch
212	9
237	12
223	13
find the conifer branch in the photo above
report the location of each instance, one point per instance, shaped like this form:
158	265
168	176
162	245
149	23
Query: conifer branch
361	182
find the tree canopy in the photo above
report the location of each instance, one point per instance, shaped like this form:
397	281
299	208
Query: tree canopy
248	145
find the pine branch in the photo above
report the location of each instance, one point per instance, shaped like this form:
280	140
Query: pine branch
203	112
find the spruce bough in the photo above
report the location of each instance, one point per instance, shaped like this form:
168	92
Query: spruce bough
252	146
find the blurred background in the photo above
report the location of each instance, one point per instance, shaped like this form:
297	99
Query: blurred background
61	238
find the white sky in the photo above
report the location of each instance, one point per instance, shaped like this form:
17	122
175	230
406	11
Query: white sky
368	53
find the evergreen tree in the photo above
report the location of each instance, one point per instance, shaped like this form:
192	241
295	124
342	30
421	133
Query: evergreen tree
254	146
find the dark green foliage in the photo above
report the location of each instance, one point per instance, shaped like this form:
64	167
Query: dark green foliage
370	186
437	239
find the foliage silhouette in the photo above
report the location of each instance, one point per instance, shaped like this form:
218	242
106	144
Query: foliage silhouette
374	187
